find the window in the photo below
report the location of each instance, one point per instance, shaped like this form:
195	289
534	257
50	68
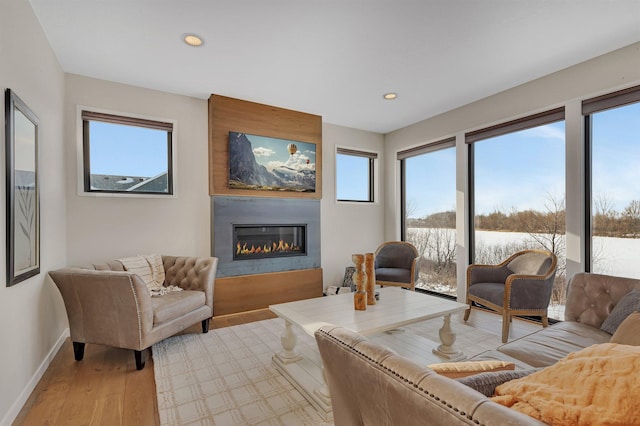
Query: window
428	176
355	175
126	155
517	193
613	129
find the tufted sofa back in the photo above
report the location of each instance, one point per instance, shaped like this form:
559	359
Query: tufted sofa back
373	385
189	273
592	297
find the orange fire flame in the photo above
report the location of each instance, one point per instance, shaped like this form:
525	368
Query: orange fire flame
280	246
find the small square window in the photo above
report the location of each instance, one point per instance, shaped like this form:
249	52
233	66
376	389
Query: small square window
126	155
355	175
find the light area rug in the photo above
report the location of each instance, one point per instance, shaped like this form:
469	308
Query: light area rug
226	377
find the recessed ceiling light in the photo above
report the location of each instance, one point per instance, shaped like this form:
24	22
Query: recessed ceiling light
389	96
192	40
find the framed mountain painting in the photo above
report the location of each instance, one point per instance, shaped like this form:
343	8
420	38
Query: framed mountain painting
271	164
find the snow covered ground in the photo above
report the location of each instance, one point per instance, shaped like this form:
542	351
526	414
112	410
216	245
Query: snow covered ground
613	256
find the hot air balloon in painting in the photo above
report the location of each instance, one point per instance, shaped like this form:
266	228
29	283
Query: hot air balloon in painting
260	163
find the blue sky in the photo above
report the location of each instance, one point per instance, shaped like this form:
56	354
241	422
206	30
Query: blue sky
272	153
616	154
506	175
137	151
353	181
521	170
127	150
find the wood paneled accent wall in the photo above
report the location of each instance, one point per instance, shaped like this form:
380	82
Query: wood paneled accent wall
252	292
249	292
229	114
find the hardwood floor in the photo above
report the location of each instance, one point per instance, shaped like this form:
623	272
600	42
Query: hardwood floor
104	388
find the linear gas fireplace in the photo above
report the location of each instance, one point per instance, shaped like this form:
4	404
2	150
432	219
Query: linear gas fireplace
252	235
268	241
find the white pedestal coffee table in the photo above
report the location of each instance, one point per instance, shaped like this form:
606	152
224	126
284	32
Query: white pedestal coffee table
396	308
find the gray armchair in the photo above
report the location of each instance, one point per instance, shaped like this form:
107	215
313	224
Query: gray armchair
396	264
521	285
108	305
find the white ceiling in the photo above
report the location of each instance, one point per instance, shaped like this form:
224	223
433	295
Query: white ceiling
336	58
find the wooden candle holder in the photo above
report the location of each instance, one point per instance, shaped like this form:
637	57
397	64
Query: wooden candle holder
371	278
360	296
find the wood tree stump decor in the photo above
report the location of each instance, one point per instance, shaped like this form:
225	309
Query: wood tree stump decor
360	296
371	278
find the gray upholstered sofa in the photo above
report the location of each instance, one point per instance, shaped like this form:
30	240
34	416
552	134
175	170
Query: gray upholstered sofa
590	299
110	306
371	384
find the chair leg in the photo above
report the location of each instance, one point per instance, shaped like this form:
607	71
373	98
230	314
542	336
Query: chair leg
78	350
506	321
545	320
205	325
140	359
468	311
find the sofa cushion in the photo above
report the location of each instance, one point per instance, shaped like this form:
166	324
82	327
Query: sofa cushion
456	370
157	268
394	275
486	383
499	356
138	265
596	385
493	292
628	333
395	256
532	263
547	346
173	305
629	303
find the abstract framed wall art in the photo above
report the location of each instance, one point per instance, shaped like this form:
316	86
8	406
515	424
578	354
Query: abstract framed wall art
271	164
23	198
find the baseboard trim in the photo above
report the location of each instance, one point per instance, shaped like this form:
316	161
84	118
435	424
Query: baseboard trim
31	385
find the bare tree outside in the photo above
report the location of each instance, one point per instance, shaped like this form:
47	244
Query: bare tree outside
434	237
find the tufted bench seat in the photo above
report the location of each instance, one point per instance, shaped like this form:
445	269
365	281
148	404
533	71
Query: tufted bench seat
109	305
590	300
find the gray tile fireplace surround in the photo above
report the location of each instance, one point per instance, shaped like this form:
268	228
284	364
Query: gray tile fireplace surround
229	211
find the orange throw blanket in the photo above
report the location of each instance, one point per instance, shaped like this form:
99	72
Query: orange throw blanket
598	385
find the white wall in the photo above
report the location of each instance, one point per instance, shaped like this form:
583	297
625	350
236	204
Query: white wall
32	315
94	229
348	228
104	228
607	73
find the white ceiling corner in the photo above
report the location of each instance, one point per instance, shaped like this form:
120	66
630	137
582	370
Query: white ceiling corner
336	58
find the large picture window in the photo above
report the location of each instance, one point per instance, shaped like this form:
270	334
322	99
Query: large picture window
126	155
517	189
429	212
613	144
